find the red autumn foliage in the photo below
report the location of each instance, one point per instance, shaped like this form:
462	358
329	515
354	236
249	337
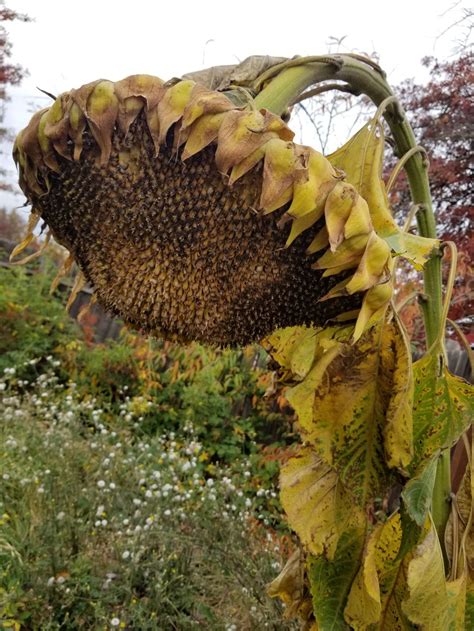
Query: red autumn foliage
442	115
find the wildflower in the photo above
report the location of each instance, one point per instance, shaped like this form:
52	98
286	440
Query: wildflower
51	581
125	555
101	484
60	516
167	512
115	622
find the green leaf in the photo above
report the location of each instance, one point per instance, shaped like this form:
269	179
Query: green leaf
411	533
317	506
442	408
419	491
331	580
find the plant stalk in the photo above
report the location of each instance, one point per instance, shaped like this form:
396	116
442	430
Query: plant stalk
365	78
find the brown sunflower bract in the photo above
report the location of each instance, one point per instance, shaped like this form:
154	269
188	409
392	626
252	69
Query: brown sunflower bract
160	193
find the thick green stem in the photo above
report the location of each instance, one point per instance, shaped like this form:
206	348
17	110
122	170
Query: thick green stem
366	79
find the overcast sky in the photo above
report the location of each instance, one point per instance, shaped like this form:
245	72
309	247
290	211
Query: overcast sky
71	43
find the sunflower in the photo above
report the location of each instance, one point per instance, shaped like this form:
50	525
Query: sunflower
194	215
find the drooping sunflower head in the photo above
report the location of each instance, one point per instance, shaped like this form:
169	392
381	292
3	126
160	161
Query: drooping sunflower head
192	217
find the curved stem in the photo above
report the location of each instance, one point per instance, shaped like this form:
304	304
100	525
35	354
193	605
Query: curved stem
400	164
286	83
449	289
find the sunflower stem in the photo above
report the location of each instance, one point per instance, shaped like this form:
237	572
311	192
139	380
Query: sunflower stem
366	78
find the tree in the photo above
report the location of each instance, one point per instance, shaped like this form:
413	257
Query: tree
442	116
10	73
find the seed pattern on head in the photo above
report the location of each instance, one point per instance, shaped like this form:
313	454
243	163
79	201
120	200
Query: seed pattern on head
160	193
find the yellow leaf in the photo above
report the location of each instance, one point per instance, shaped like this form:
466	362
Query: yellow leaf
374	597
299	340
301	224
349	251
243	132
363	604
351	397
281	168
374	601
311	193
290	586
102	112
373	267
433	603
398	435
320	241
361	158
202	133
317	506
172	105
443	407
374	307
301	397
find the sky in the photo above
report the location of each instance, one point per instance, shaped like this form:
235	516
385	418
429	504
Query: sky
71	43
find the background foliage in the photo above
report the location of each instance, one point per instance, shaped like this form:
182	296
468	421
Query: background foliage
138	476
